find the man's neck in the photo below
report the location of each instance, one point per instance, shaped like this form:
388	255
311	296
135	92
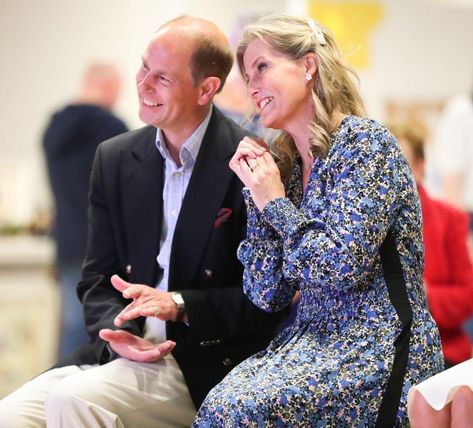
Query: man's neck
175	139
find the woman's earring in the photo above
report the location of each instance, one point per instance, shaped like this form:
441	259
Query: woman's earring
308	77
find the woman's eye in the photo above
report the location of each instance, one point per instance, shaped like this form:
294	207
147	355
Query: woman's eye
261	66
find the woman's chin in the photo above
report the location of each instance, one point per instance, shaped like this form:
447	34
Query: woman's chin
267	122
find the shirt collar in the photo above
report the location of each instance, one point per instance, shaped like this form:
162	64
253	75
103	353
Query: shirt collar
191	146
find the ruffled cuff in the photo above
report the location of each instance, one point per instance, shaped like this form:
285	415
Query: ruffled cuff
283	216
257	227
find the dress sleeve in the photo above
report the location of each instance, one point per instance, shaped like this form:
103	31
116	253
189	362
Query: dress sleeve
261	255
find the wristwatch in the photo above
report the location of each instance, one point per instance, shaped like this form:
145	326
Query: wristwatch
181	306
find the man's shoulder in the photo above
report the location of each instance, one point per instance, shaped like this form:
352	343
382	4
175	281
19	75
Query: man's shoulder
225	123
131	139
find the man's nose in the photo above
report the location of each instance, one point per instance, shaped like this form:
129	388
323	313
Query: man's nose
146	82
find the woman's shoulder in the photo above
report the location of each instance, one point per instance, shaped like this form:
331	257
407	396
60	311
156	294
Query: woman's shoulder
361	133
359	128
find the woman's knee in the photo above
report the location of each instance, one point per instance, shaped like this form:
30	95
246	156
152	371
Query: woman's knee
462	408
421	414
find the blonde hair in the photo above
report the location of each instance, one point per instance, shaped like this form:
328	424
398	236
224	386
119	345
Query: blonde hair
333	86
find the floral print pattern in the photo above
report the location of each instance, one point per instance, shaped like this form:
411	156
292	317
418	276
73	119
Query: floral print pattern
330	368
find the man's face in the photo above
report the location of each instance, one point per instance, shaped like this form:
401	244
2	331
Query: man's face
167	95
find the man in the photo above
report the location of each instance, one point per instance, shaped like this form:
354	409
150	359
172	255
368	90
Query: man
70	141
139	231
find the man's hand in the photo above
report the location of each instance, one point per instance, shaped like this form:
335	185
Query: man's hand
147	302
135	348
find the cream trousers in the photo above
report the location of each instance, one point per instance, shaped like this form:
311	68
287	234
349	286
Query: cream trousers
122	394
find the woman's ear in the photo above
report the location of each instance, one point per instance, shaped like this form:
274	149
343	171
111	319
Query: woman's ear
208	88
310	64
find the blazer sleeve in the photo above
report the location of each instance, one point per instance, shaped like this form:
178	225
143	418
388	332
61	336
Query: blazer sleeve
101	302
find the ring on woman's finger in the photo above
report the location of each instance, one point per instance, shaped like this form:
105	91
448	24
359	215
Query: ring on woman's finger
254	166
156	311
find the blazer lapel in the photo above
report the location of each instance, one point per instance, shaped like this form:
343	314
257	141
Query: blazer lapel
204	197
142	184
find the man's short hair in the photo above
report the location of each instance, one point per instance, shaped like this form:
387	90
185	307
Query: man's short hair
210	58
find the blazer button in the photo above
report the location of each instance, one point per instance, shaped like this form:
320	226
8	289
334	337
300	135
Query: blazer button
208	273
227	362
204	343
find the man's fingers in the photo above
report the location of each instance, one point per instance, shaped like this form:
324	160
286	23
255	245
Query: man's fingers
133	291
113	335
150	355
118	283
166	347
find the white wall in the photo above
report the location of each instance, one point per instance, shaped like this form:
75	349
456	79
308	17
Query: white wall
420	50
45	45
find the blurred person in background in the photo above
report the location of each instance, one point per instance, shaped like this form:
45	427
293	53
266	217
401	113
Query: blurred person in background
70	140
453	150
448	271
233	100
453	145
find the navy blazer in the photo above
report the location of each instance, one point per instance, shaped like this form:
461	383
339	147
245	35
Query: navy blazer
124	233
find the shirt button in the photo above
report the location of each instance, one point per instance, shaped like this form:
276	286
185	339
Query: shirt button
227	362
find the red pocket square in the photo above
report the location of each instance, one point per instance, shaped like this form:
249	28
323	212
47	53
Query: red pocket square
222	216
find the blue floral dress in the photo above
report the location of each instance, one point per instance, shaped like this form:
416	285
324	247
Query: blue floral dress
332	367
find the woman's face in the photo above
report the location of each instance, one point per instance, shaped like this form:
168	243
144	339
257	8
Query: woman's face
278	87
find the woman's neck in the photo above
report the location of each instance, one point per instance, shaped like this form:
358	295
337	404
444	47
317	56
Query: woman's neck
302	139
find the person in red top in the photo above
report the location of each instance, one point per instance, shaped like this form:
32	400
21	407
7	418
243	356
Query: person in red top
448	271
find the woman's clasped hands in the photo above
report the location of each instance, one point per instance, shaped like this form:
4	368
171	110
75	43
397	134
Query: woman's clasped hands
255	167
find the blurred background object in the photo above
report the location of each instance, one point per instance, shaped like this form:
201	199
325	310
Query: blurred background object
69	141
415	55
448	269
233	99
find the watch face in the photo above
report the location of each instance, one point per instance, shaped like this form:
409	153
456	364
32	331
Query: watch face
177	298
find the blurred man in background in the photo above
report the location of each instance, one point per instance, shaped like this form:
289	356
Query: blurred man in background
70	140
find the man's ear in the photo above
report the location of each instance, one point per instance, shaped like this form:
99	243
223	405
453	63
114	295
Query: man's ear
208	88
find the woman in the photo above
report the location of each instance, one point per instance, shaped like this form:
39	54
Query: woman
338	219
